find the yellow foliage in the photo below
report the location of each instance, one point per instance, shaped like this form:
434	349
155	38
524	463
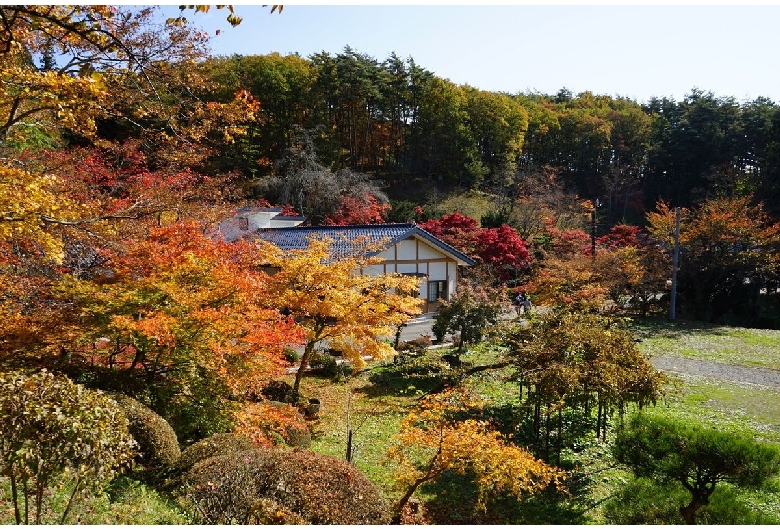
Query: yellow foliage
331	300
26	201
449	442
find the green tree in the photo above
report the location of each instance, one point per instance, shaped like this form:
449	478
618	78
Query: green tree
53	430
697	456
470	311
579	365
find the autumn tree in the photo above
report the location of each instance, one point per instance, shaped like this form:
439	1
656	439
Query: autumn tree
179	315
582	365
469	313
446	433
329	298
696	456
501	250
728	254
358	211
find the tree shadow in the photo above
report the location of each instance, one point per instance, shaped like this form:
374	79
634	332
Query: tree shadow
657	327
417	375
453	501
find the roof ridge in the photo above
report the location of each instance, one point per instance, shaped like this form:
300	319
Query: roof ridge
342	227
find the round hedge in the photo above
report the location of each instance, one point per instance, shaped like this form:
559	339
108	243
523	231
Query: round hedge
157	442
298	436
240	487
214	445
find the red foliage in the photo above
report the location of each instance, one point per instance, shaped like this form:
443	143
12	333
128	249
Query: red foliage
569	242
289	211
456	229
502	246
620	236
358	211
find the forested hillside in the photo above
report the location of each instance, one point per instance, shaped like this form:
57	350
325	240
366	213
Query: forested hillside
397	121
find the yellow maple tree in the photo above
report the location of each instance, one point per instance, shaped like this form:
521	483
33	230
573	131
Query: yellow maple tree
332	301
440	437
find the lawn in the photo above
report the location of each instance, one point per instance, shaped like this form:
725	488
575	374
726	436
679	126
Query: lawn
374	401
740	346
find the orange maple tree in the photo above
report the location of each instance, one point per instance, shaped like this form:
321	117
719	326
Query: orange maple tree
729	252
181	306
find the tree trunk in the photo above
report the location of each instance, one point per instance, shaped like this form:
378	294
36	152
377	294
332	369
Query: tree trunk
689	512
307	351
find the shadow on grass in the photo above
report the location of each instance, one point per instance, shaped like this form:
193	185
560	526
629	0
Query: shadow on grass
421	374
657	327
454	502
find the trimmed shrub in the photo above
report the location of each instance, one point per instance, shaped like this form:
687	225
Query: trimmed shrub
224	489
291	355
642	501
324	364
298	435
214	445
267	511
157	443
328	490
56	434
319	489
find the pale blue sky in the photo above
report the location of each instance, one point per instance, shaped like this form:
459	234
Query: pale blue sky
618	50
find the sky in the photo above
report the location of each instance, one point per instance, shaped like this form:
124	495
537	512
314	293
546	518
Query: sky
632	51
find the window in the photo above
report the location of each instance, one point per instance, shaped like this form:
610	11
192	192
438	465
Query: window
436	290
243	223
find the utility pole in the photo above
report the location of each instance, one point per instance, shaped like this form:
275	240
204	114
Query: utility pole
596	205
675	262
593	233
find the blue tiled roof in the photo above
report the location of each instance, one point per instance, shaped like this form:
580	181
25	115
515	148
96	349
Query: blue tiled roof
344	238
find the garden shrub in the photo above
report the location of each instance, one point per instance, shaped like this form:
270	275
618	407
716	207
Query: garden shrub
225	488
642	501
214	445
291	355
298	435
328	490
416	346
325	364
157	443
319	489
281	391
268	511
56	433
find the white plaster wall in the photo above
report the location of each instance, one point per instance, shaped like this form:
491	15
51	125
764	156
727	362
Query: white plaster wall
407	249
437	271
375	270
428	252
453	277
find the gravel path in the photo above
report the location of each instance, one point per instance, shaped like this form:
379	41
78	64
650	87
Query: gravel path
724	372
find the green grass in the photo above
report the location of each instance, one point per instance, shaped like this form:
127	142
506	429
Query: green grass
125	502
696	340
374	401
381	396
734	405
